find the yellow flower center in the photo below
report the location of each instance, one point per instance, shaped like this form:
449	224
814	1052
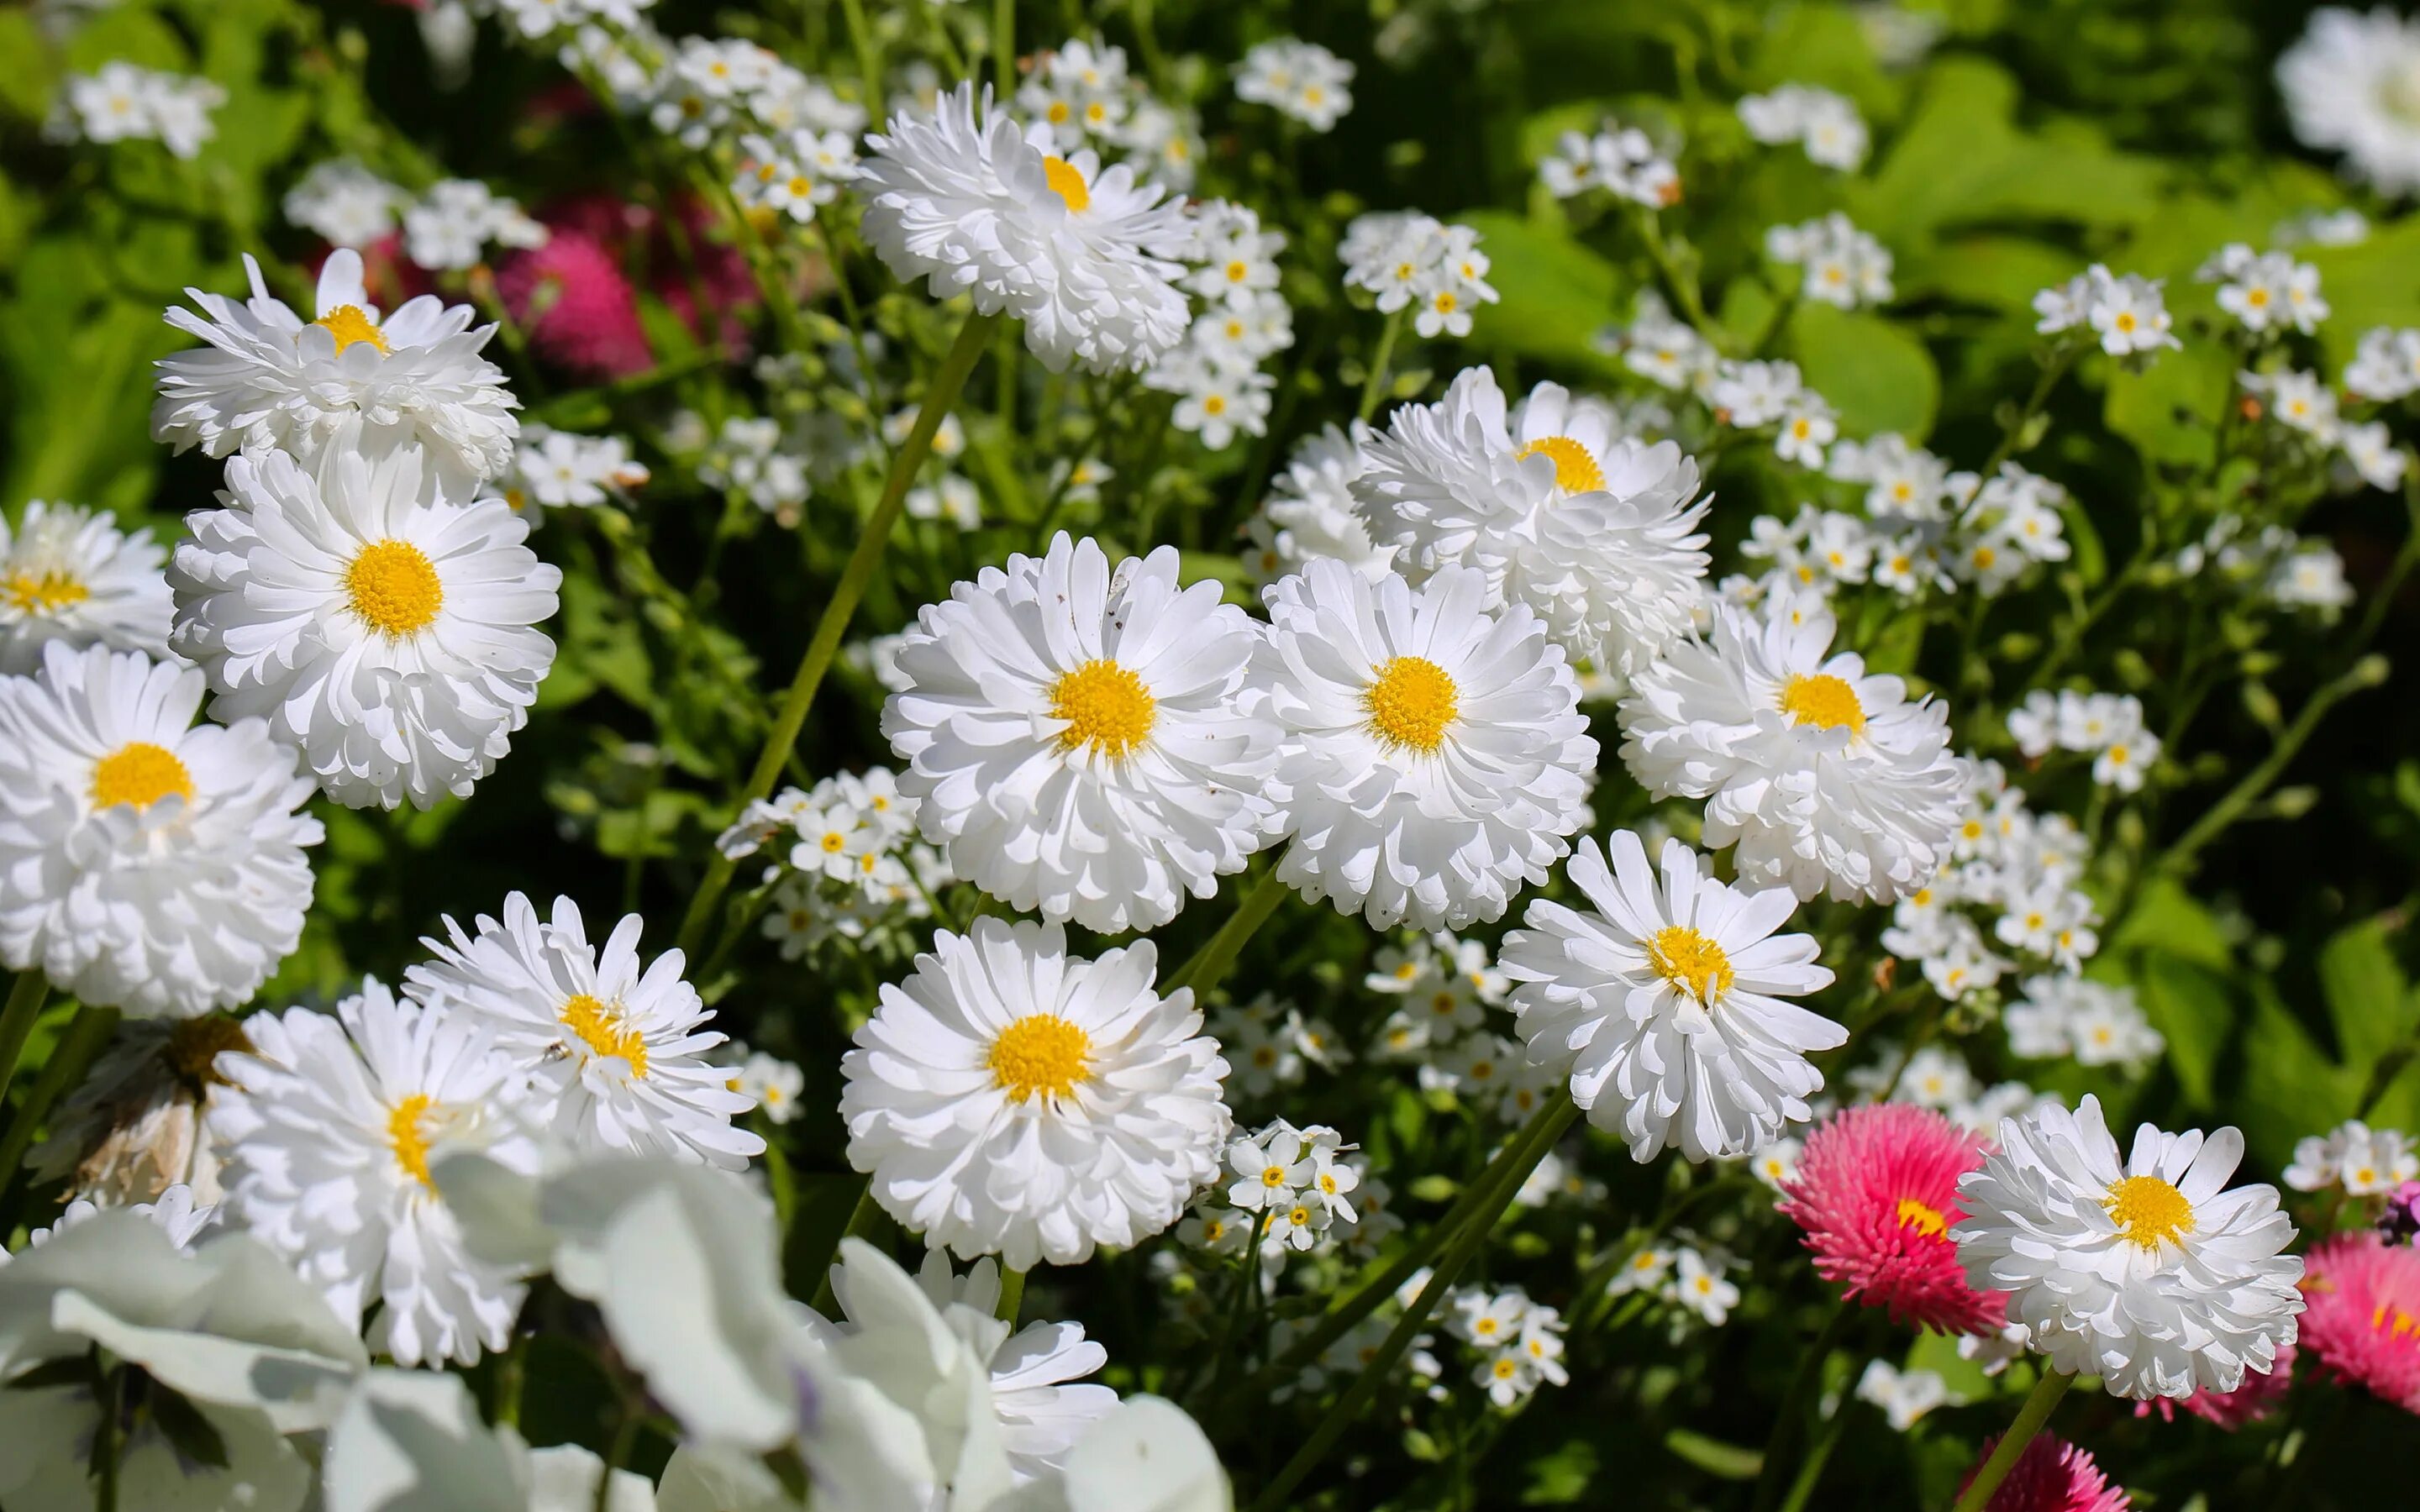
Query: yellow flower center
604	1031
1057	115
1690	961
394	588
1299	1217
1824	702
2395	1322
1575	468
1215	404
347	324
2149	1211
1411	703
1041	1053
142	774
1068	183
1238	270
1922	1217
1104	705
1505	1368
833	842
1273	1176
408	1139
48	594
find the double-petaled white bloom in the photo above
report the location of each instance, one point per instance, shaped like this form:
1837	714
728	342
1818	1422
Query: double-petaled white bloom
346	381
1826	776
146	863
1595	532
1007	1099
1434	760
616	1047
328	1123
70	575
1663	1006
1084	255
1073	735
2352	83
1308	512
371	617
2146	1270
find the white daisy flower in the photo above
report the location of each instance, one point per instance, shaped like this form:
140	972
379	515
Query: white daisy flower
328	1123
1825	776
2352	83
1308	512
2145	1271
1074	736
345	382
1083	254
1299	79
70	575
384	629
1008	1099
1434	759
1665	1008
146	863
343	204
618	1047
1593	532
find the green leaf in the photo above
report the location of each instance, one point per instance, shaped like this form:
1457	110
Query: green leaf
2369	1003
2167	916
2170	409
1561	1476
1725	1461
1877	376
2290	1088
1556	293
2192	1011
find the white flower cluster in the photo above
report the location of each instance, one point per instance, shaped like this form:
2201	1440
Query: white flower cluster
2385	365
1286	1189
2107	727
70	575
125	103
710	88
2301	402
2270	561
1302	81
1823	123
2364	1161
2097	1022
1663	348
1405	259
1518	1341
758	457
2128	313
854	867
1751	395
1222	393
1269	1042
1904	1396
1933	1076
1692	1276
453	225
1620	160
535	18
795	173
1842	265
1309	513
343	204
2348	86
2267	292
561	469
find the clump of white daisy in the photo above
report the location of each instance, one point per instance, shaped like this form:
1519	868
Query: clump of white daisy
1518	1343
1308	512
1434	759
146	863
1407	260
796	174
617	1045
1825	776
1075	739
349	381
559	469
1841	265
2385	365
1009	1099
2127	314
1665	1006
1826	125
1621	161
70	575
2096	1023
2364	1161
2267	292
2108	727
2146	1270
453	223
343	204
1299	79
327	1125
1557	510
1084	255
384	628
125	103
1665	351
2352	83
1904	1396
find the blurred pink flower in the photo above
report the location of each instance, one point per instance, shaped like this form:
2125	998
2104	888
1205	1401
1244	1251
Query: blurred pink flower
579	310
2361	1317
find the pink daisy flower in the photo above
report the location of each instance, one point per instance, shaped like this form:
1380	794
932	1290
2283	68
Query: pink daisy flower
2052	1475
577	308
1877	1192
2230	1409
2362	1314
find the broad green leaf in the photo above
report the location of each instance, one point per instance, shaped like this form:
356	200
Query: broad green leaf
2369	1003
1556	293
2167	918
2170	409
1725	1461
2369	285
2290	1088
2191	1009
1877	376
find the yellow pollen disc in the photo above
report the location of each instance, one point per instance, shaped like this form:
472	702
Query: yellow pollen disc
1104	705
1504	1368
1485	1325
394	588
50	591
1922	1217
2125	320
1273	1176
602	1030
195	1044
2257	298
1690	961
1238	272
2149	1211
1411	701
1215	404
142	774
1824	702
1057	114
405	1136
1299	1217
347	324
1575	469
1040	1053
833	842
1068	183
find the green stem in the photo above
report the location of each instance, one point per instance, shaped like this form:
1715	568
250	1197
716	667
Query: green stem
1683	287
626	1438
943	393
110	1390
1378	361
2030	1417
1813	1471
511	1369
2381	601
1793	1402
869	61
1003	50
2366	673
1540	1136
1211	964
17	1018
77	1049
1011	1295
2052	372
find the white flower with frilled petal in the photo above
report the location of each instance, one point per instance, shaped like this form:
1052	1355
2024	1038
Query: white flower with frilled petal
71	575
385	629
345	382
1308	512
1665	1006
1008	1099
1435	760
618	1046
328	1123
1085	256
1825	774
1074	737
2147	1270
2352	83
146	863
1595	532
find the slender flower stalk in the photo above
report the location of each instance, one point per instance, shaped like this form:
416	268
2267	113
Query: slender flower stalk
2030	1418
17	1018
